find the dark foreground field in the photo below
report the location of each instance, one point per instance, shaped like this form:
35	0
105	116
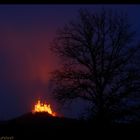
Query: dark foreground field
42	126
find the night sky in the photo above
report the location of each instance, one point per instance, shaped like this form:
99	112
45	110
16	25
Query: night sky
26	32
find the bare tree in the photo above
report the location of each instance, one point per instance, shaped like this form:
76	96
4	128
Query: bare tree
97	52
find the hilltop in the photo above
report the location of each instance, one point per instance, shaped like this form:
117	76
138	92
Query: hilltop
43	125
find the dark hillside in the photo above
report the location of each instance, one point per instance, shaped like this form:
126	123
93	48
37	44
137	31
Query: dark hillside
42	125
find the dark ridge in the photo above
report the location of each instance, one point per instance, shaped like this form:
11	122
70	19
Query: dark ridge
44	126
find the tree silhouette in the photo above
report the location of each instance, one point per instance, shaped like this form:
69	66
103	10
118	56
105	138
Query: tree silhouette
98	64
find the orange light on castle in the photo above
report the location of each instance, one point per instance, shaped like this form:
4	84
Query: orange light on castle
43	107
